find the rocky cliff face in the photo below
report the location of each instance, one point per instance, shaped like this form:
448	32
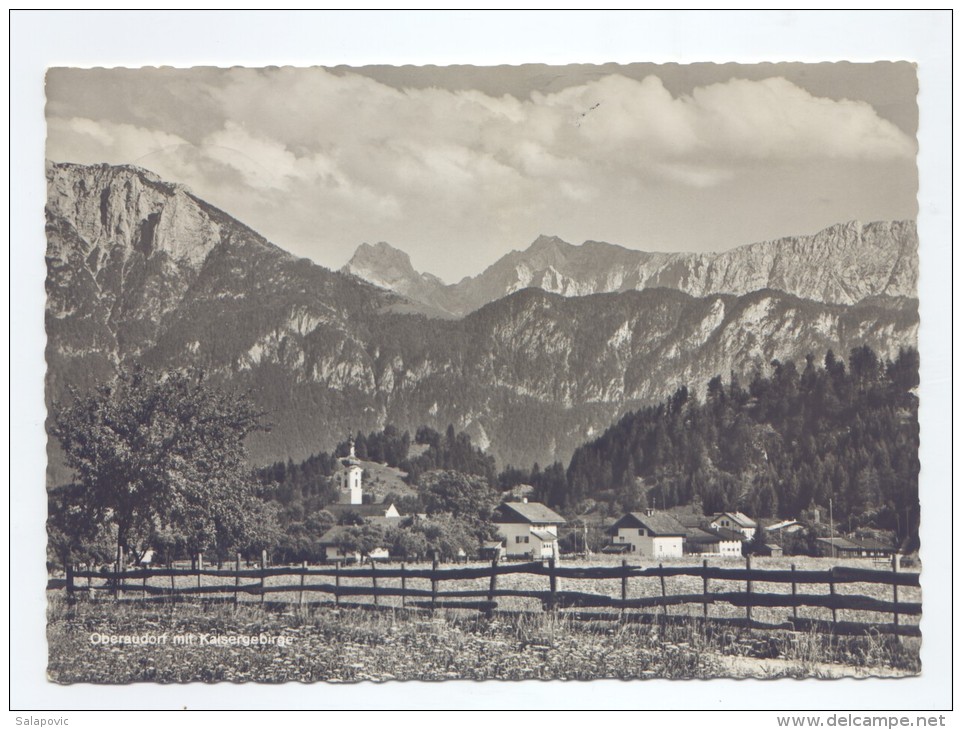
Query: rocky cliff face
390	268
842	264
138	269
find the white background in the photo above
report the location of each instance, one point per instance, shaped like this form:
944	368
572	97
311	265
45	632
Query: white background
136	38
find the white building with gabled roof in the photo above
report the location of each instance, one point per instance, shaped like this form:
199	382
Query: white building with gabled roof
735	521
528	529
651	534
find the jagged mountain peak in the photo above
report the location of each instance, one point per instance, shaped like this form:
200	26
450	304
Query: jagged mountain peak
546	242
383	256
843	263
384	265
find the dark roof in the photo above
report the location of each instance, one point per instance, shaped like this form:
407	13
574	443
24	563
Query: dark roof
709	536
533	512
691	520
332	536
658	524
725	534
364	510
842	543
870	543
700	536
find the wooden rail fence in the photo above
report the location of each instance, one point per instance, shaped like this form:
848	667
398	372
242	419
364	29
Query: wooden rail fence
484	598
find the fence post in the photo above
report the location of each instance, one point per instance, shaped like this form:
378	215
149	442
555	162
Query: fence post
69	575
237	561
263	568
553	582
200	567
704	588
624	584
664	593
748	603
895	589
434	581
119	582
300	595
337	583
173	587
145	584
794	593
374	580
493	582
831	589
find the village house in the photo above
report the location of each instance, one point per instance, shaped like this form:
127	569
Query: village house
702	539
649	533
769	550
330	543
852	547
716	543
734	521
781	527
528	529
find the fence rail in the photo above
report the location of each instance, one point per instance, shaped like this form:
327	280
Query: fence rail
135	581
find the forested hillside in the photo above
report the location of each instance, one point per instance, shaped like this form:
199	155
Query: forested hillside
789	440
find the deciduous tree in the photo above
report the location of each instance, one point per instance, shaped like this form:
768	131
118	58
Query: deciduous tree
162	451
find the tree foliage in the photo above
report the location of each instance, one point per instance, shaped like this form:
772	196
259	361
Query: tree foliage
452	452
460	495
161	454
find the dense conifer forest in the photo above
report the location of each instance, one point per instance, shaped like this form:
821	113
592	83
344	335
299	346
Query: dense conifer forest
786	442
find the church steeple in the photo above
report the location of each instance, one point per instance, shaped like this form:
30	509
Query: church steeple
349	480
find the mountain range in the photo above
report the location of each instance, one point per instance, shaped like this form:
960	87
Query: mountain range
142	269
842	264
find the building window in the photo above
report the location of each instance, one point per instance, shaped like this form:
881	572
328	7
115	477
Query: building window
641	532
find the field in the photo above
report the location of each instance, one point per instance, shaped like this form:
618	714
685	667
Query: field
318	641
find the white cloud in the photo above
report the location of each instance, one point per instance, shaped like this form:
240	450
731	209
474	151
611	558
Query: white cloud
316	160
88	141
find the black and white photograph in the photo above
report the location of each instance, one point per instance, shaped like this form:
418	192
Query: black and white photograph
371	373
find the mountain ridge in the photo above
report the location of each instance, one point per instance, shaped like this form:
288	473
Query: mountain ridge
142	271
842	263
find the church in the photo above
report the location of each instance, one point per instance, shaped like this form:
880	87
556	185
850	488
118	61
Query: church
350	501
349	479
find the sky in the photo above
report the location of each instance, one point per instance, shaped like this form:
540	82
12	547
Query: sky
459	165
